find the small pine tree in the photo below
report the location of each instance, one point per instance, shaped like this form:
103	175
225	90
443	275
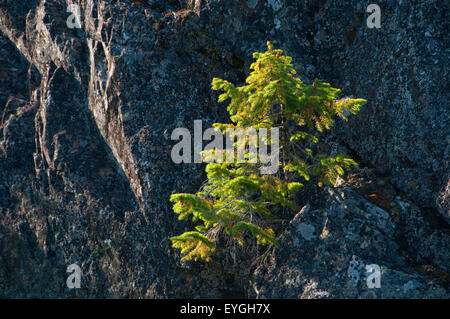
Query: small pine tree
236	197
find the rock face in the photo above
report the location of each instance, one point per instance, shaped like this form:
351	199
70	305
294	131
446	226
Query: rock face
400	69
85	168
341	249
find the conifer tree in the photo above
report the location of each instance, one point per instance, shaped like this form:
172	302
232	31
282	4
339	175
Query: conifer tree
237	198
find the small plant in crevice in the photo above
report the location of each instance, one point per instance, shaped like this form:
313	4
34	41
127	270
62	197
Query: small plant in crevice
239	195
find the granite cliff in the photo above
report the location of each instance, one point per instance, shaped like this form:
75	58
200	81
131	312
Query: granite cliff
85	168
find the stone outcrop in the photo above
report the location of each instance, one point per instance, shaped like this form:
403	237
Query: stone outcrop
85	168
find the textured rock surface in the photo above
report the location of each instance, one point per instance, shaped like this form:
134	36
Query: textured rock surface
345	235
402	70
85	169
